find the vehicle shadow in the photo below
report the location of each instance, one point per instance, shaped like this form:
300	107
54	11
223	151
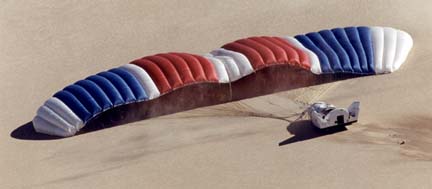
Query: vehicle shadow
304	130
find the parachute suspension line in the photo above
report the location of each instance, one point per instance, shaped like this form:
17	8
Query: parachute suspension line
307	104
230	91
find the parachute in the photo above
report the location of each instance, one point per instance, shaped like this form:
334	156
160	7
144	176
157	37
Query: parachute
171	82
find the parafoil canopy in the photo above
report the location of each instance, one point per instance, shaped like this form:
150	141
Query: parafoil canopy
350	50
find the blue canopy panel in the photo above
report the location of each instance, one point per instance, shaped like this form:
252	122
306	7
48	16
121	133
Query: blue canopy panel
343	40
344	59
132	82
328	51
74	104
366	39
120	85
354	38
91	96
347	50
85	98
109	89
324	61
96	91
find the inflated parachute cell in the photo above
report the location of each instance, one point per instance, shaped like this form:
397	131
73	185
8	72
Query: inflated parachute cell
267	51
358	50
174	70
169	82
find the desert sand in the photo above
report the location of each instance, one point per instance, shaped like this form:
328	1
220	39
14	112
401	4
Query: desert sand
253	143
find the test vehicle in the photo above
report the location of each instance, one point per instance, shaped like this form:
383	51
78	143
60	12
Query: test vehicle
325	115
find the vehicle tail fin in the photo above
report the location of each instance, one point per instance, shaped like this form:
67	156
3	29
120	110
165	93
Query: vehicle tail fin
354	110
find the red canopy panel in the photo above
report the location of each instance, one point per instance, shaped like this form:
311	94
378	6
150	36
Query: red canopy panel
180	68
194	65
303	59
265	51
155	73
292	54
170	71
279	52
208	67
254	57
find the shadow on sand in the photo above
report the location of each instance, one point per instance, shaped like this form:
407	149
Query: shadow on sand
304	130
206	94
27	132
